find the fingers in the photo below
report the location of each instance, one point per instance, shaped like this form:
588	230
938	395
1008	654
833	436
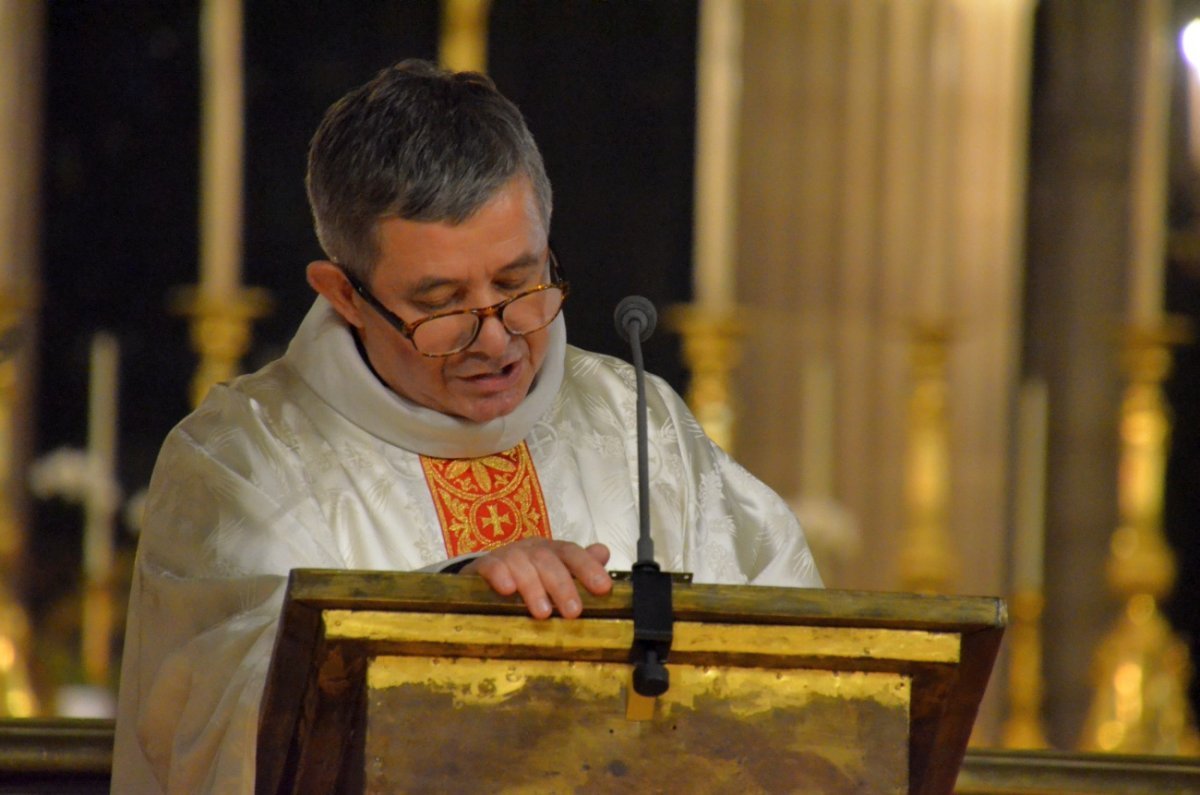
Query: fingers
494	572
588	567
547	578
545	573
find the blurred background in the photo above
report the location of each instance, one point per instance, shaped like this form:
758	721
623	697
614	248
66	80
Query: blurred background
928	266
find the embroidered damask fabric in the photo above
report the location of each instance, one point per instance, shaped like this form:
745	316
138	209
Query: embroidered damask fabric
485	503
312	462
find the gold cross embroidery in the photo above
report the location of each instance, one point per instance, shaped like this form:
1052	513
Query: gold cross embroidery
484	503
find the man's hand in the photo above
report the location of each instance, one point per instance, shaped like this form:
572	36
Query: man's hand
544	573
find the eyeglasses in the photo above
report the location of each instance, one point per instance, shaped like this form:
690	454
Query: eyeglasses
448	333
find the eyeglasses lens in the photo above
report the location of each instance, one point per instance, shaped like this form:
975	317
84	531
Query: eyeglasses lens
526	314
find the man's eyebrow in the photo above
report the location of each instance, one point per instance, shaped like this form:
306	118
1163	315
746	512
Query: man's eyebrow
523	263
431	283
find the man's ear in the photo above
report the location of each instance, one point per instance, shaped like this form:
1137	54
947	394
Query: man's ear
329	280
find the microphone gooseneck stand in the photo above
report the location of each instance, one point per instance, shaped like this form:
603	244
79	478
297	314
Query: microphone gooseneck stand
653	616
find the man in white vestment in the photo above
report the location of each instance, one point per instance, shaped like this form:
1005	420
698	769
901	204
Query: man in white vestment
428	415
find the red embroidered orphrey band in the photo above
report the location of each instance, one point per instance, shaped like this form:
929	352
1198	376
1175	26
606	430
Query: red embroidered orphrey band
483	503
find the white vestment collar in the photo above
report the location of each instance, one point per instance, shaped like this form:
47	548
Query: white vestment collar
326	357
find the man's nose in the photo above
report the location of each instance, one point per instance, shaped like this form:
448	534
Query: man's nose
493	337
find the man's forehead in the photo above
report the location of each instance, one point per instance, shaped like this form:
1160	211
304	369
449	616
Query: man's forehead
507	232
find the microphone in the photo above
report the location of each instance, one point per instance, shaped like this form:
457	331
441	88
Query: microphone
653	615
634	311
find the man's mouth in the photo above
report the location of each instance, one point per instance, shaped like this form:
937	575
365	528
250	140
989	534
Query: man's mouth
494	377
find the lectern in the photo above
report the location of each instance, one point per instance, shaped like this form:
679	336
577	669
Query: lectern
387	682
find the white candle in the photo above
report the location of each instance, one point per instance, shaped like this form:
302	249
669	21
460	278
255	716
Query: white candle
718	98
1148	232
221	149
939	213
1189	42
1030	514
102	457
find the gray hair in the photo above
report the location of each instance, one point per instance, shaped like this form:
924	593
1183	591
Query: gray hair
419	143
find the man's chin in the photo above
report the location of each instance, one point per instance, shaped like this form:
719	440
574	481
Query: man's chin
485	408
488	411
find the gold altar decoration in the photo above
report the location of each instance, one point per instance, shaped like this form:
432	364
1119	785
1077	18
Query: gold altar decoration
1141	670
17	697
16	690
927	559
1023	728
711	351
220	332
463	45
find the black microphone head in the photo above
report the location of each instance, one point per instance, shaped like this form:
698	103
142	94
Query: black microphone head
635	309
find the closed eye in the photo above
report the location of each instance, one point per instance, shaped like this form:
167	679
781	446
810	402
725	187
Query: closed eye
432	306
513	288
519	280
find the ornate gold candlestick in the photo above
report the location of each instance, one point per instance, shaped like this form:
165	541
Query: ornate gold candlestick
927	560
220	332
1141	670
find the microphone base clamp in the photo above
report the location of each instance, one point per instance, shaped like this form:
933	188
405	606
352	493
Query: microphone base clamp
653	629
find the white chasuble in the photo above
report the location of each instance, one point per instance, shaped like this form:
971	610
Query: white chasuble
312	462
